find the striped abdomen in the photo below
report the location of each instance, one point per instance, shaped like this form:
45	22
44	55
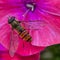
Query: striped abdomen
23	33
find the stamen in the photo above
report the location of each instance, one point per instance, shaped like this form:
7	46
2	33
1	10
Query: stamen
30	6
26	13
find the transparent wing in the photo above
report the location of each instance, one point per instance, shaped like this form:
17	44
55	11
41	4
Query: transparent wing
14	42
33	25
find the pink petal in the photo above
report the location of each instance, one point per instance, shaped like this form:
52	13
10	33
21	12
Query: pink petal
48	34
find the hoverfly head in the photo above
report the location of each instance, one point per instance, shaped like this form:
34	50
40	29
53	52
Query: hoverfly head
11	19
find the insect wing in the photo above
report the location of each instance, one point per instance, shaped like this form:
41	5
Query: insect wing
13	43
34	25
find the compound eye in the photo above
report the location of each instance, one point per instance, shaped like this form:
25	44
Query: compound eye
11	19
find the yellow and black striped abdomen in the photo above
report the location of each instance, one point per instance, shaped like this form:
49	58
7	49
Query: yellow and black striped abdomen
23	33
20	29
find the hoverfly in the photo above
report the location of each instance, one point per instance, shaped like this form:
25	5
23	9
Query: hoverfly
22	32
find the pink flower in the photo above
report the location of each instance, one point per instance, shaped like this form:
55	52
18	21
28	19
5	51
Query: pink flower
45	11
14	8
